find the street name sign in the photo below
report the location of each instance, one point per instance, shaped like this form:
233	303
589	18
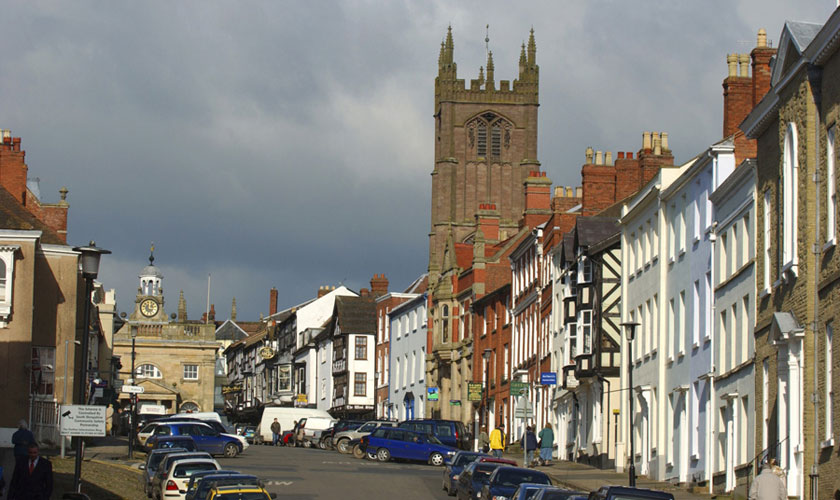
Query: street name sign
548	378
82	420
133	389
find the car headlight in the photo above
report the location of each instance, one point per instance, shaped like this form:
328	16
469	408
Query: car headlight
455	477
450	453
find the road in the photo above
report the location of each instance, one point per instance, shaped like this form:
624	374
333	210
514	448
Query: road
304	474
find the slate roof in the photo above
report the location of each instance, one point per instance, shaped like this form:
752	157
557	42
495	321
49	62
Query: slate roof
569	246
13	215
802	33
355	314
420	285
591	230
230	331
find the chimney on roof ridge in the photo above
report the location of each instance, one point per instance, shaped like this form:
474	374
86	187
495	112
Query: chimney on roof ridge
744	65
379	284
762	38
646	145
657	146
621	155
599	157
732	64
608	158
272	302
589	155
664	137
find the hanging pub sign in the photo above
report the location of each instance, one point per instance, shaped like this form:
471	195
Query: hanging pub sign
432	394
474	391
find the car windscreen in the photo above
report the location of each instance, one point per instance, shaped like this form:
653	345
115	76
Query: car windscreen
367	428
564	495
147	429
379	433
186	470
187	444
483	471
210	482
251	495
154	460
464	459
516	477
432	439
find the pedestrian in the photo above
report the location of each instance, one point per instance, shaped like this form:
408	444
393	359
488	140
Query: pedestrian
546	443
779	471
483	440
768	485
32	478
497	440
293	437
529	443
299	437
275	431
22	438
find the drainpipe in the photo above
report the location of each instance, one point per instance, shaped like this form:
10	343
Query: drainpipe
711	324
815	78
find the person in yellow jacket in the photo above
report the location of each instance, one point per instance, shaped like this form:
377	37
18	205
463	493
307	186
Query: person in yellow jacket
497	441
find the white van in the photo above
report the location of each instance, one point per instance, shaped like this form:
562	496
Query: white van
201	415
286	416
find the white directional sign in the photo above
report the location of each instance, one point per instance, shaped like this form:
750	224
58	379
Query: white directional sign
133	389
82	420
524	408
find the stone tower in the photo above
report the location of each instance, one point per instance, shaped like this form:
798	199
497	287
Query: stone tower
485	146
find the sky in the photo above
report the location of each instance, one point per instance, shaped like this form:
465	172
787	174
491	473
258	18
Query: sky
290	144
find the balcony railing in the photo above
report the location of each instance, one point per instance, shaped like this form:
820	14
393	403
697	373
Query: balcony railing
339	365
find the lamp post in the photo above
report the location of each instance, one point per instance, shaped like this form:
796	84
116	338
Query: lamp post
485	402
133	397
631	334
89	260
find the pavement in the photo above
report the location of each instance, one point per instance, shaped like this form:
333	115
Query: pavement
583	477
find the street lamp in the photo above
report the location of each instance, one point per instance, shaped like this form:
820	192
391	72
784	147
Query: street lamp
133	397
486	355
89	261
631	334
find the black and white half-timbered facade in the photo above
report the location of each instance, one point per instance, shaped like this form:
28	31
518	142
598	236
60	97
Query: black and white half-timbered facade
588	275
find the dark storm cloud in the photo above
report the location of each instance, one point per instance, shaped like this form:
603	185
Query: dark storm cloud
289	144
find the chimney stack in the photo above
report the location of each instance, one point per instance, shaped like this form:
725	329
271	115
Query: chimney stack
272	302
379	285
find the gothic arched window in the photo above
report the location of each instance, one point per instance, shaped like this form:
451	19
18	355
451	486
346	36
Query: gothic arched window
499	136
482	140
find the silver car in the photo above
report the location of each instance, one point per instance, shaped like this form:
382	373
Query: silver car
342	440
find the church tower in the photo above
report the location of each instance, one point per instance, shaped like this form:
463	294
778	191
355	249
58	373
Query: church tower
485	147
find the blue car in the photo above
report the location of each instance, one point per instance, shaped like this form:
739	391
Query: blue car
206	438
528	491
505	480
393	442
455	466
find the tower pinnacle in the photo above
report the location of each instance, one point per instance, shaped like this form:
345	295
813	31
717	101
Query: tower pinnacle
490	72
532	49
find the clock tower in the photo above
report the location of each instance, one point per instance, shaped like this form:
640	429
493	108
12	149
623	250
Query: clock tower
148	305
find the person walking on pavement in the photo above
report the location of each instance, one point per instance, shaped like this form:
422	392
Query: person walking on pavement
22	438
497	441
483	440
32	478
768	485
275	431
546	444
529	443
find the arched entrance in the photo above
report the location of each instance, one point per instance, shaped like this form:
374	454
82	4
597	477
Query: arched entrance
408	404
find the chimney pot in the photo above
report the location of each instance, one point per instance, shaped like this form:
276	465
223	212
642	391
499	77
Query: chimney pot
589	155
744	63
665	141
579	192
621	155
657	147
608	158
599	157
732	63
629	155
762	38
646	141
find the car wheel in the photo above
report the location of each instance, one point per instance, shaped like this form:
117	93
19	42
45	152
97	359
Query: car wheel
358	452
322	444
342	446
371	455
230	450
383	455
436	459
307	444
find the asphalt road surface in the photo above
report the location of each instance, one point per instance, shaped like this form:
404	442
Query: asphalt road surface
305	474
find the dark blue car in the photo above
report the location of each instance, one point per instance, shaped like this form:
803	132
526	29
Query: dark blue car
505	480
206	438
393	442
455	466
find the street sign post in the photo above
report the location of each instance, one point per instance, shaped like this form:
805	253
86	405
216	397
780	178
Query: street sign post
82	420
133	389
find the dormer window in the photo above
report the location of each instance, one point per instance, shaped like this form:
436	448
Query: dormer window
7	268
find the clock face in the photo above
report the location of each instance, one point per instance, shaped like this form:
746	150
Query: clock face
149	307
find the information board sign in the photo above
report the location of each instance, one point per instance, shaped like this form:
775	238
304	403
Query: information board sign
82	420
518	388
474	391
548	378
432	394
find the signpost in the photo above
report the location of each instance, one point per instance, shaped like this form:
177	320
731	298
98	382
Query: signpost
474	391
524	410
548	378
133	389
82	420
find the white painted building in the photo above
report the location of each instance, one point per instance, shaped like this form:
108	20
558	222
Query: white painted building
407	359
733	404
667	271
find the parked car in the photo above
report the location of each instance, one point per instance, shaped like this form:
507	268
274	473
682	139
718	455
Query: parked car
206	438
388	443
149	468
240	493
340	426
202	482
473	477
504	481
449	432
527	491
166	462
625	492
214	423
184	442
342	439
313	427
561	494
249	432
455	466
174	482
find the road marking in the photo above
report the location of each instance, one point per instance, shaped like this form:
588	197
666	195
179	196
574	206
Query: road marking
279	483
